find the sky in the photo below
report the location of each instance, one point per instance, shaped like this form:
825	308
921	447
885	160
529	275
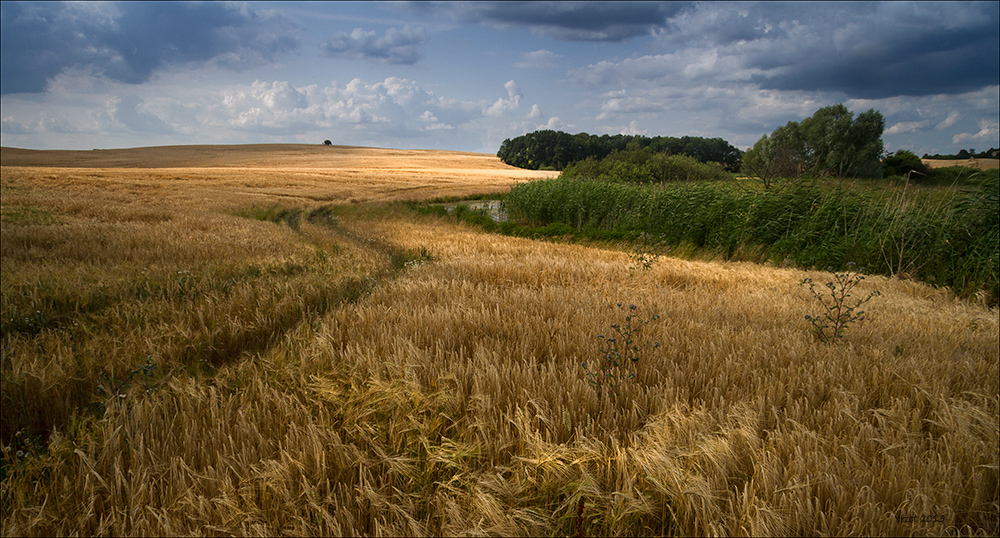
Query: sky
466	76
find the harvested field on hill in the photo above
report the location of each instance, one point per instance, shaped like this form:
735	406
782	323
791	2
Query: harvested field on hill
337	174
981	164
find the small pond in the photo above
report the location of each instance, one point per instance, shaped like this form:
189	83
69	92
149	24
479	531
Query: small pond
493	208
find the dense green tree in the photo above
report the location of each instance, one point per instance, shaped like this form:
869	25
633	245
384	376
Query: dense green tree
770	160
830	143
556	149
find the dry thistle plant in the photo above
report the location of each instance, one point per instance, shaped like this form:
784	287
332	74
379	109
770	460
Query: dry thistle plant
620	353
837	313
643	256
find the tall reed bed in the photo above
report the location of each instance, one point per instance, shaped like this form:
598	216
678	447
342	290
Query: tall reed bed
947	236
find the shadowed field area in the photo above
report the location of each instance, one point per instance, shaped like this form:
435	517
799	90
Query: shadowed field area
220	345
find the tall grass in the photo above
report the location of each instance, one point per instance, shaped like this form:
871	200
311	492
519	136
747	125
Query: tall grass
947	236
445	394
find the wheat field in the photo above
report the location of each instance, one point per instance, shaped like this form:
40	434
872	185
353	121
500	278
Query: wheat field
260	341
981	164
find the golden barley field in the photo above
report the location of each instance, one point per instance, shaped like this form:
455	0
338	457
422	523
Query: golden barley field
261	340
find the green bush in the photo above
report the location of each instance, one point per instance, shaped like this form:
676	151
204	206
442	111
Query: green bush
902	163
645	166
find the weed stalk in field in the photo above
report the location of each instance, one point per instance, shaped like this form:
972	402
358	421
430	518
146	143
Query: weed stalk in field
620	353
643	256
111	387
837	313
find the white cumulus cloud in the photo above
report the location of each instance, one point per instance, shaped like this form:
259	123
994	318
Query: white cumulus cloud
906	127
988	131
539	59
952	119
392	108
502	106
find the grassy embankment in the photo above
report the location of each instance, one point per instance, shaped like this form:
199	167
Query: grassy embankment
360	369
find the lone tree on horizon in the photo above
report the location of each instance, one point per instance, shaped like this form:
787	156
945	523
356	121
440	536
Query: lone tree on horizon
327	143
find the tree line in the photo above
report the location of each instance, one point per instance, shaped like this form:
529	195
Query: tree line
992	153
554	150
832	143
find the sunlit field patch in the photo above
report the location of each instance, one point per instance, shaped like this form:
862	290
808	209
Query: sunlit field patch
247	352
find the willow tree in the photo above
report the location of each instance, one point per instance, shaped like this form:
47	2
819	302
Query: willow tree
831	143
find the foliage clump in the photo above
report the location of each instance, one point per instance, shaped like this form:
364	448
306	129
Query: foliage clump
904	163
554	150
645	166
830	143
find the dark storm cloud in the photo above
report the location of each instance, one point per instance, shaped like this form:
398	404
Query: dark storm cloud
395	46
128	41
871	52
865	50
568	21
